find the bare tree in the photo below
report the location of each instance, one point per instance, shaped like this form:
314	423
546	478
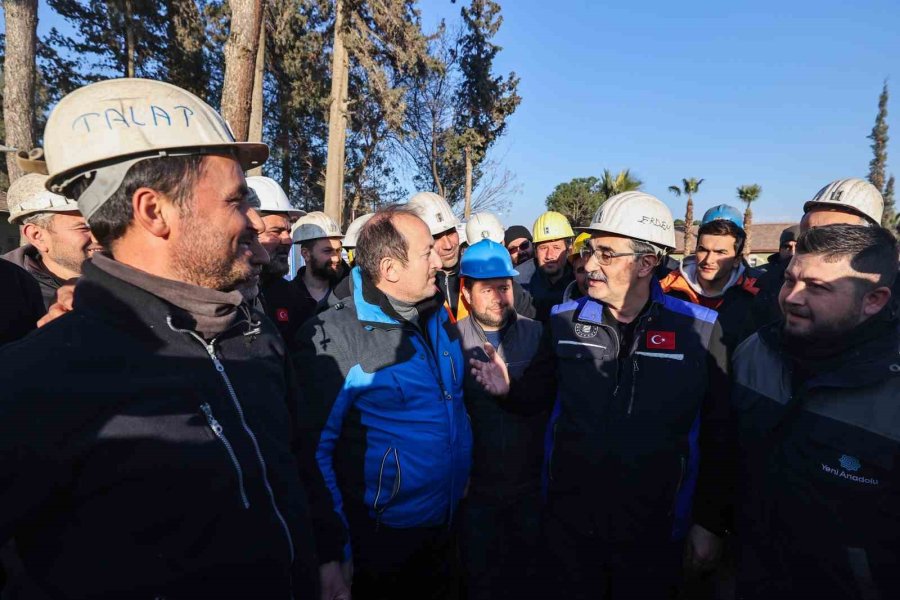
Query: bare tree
18	87
496	188
240	65
257	102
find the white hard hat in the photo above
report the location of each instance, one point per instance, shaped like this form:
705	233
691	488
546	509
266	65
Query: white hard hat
271	197
435	211
315	226
636	215
852	195
107	127
28	195
353	230
484	226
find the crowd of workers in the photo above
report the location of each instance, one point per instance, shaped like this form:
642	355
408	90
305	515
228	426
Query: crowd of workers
511	413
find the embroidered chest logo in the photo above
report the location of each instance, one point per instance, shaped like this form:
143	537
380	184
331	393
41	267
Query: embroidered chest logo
583	330
661	340
849	465
282	315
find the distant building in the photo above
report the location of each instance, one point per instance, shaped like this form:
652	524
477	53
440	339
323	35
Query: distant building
764	241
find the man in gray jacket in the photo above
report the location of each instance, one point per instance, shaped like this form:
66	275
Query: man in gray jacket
501	520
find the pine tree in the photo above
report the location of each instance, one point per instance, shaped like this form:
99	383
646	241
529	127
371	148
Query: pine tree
889	219
486	99
879	137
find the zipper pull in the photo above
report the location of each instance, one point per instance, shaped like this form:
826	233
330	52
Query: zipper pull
213	423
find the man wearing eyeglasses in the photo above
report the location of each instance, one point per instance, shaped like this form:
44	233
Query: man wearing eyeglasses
517	240
640	385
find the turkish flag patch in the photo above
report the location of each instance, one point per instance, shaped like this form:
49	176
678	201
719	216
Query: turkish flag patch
661	340
282	315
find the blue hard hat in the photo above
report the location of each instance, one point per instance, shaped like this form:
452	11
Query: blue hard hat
486	260
725	213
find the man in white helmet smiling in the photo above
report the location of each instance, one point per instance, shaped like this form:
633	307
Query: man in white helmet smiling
639	388
153	456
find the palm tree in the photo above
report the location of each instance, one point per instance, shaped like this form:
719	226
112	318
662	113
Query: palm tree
690	187
748	194
610	184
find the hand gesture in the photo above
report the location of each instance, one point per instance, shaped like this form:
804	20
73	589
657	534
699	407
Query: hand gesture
492	375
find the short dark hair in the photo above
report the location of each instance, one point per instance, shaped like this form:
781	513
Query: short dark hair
724	227
379	238
871	249
174	176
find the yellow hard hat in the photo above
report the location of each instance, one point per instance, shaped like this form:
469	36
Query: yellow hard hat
578	245
551	226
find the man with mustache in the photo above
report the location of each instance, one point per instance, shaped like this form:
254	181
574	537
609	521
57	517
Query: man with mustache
501	520
59	240
384	421
319	238
815	397
639	388
280	299
716	276
148	450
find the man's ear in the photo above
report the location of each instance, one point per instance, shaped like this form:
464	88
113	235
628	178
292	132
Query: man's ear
647	264
152	211
875	300
36	236
388	270
467	294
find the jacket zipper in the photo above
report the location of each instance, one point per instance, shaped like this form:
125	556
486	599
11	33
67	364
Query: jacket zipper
220	368
678	487
217	430
634	372
262	461
638	331
394	491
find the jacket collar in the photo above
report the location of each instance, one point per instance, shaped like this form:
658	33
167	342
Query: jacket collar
374	308
591	311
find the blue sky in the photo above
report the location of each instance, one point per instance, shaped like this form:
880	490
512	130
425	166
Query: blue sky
782	94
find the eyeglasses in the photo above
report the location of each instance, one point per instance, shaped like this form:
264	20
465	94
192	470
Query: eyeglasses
605	257
523	246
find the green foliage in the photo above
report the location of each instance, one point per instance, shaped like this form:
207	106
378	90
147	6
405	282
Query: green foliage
749	193
879	137
610	184
578	199
889	218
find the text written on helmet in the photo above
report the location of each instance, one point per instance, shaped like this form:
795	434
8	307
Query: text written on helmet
113	117
664	225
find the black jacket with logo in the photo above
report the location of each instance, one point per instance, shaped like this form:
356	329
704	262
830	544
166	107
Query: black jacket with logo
629	425
818	491
139	461
544	294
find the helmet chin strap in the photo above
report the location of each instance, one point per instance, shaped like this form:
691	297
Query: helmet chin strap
106	181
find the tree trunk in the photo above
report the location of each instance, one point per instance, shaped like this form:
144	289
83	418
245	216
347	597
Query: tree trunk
18	87
468	209
240	64
129	39
284	142
689	226
337	120
256	111
748	220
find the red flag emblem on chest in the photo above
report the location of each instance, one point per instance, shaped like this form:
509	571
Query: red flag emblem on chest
282	315
661	340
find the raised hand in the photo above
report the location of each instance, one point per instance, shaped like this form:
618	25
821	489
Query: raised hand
492	375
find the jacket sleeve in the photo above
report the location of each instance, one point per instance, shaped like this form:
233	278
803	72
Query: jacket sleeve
318	364
535	391
524	303
713	502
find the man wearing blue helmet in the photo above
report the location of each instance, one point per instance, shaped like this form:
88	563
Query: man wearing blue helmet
716	276
501	520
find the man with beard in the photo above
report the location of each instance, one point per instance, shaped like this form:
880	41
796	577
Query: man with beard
548	274
517	240
639	388
501	519
319	238
152	457
59	240
386	427
280	299
819	427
